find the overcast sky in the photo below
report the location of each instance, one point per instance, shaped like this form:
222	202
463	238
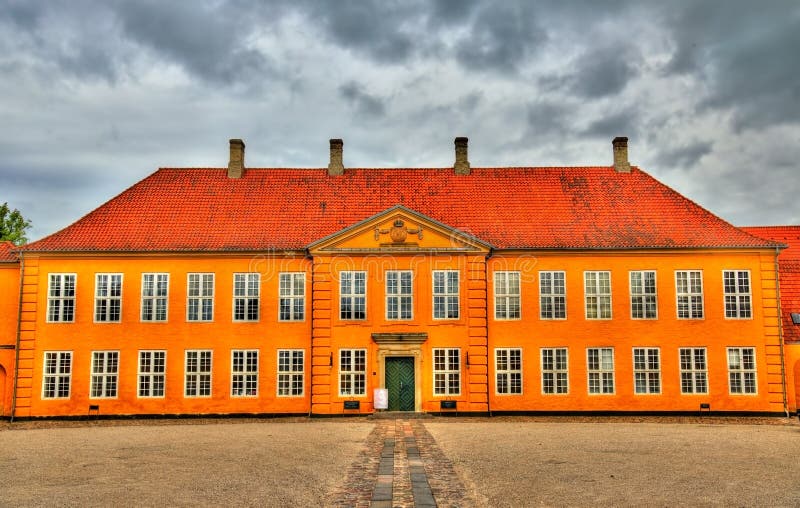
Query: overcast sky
94	96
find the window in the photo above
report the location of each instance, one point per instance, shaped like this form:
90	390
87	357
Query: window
555	372
152	373
742	370
155	287
200	297
353	295
737	294
600	363
506	295
552	295
290	372
198	374
447	371
646	370
689	290
57	374
292	297
244	372
398	295
61	298
445	294
352	371
643	295
246	296
107	297
597	288
105	368
508	371
694	373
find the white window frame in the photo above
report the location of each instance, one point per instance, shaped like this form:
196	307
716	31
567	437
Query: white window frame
287	378
448	296
447	373
248	298
558	377
738	303
740	374
690	295
245	376
61	306
601	372
104	375
349	298
594	277
693	373
508	371
553	299
109	299
155	298
291	290
151	374
400	297
57	370
647	370
503	293
195	375
352	376
200	295
639	294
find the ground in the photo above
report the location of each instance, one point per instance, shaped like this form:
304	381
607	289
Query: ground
384	462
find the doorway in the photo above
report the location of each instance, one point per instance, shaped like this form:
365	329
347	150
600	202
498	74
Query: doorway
400	382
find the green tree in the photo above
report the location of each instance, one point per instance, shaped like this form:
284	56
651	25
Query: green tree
13	225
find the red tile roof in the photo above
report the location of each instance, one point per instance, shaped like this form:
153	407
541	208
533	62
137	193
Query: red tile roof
7	254
547	208
789	268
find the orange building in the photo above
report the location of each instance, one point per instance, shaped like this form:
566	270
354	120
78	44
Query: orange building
303	291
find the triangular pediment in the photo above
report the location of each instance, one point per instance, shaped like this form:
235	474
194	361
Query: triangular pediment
399	229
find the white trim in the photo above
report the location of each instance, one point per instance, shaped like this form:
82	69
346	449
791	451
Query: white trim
108	299
200	296
508	372
447	295
61	298
643	295
741	371
598	294
554	371
693	371
647	370
447	371
552	295
399	296
154	298
737	295
57	376
244	373
689	294
246	297
291	297
352	295
151	374
291	373
352	373
198	375
600	371
507	295
104	375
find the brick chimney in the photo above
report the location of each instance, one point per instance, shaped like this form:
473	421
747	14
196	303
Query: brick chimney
336	166
621	163
461	165
236	161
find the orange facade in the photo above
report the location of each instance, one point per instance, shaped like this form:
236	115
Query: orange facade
9	310
469	336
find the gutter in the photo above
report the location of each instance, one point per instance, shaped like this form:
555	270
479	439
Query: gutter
19	335
780	332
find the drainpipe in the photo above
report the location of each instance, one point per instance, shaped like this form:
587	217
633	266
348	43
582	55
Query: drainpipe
780	332
19	334
488	353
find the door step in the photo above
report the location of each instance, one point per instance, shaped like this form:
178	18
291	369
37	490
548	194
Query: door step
398	415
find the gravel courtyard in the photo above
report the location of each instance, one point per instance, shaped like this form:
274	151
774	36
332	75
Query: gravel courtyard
300	462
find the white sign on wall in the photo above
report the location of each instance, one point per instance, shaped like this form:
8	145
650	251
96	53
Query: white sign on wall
381	398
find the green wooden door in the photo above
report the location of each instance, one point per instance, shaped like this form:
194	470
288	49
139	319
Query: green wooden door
400	383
